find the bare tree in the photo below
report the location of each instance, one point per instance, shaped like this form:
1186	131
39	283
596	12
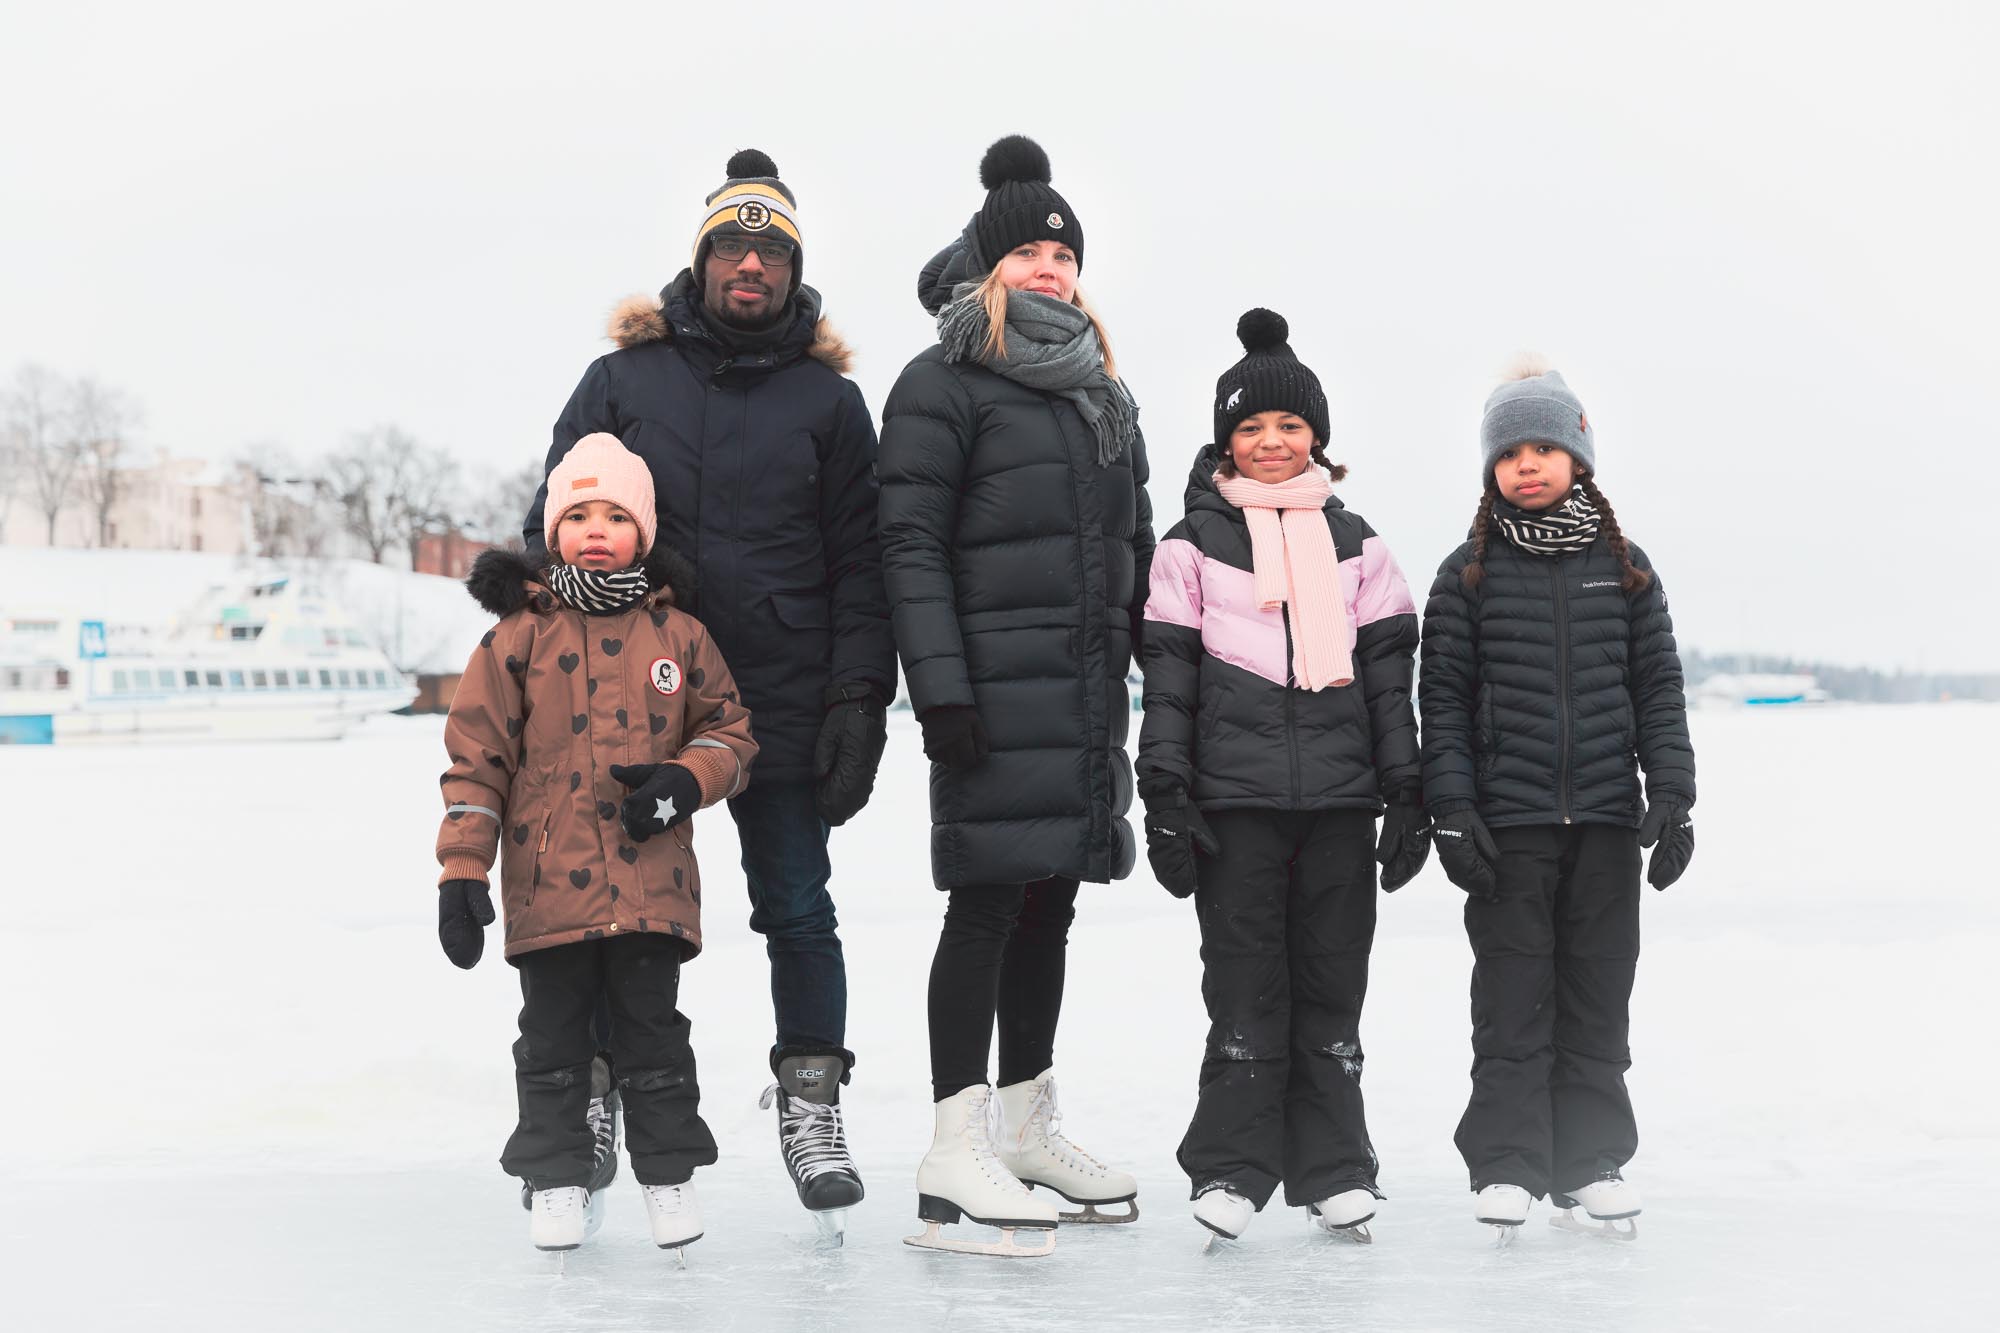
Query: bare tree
99	419
497	504
390	489
35	418
13	469
288	501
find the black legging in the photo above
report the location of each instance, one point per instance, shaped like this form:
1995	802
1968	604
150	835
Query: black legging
1000	955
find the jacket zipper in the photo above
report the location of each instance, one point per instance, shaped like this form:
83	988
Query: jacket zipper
1564	722
1291	726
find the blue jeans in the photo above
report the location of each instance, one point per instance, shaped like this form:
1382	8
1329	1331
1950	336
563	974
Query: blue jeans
785	862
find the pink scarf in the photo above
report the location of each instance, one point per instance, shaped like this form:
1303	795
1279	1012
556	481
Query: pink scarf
1293	561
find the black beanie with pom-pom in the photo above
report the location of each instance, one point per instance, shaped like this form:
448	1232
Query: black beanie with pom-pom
1021	205
754	202
1269	378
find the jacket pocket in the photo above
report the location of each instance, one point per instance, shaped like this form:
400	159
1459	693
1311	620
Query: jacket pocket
1485	737
802	610
540	841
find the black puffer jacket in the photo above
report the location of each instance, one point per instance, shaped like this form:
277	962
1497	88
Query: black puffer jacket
1223	720
1546	688
1016	567
763	476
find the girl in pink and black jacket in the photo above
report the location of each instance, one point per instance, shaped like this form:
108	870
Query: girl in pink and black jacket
1279	645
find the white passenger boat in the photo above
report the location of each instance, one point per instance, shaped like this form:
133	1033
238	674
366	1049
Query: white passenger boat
265	660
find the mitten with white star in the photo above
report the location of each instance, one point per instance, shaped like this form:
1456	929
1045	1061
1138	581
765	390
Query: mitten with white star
662	796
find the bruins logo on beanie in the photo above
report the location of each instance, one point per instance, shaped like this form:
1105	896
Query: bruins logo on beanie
1021	205
1269	378
754	202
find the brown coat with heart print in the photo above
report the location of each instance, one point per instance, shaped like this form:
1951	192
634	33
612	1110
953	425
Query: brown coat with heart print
550	700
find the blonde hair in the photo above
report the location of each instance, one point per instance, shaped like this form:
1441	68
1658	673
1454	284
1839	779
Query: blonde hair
992	294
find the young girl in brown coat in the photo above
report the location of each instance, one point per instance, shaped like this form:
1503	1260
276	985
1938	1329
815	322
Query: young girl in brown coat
589	725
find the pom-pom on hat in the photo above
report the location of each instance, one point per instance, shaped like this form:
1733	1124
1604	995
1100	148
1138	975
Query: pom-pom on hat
1534	406
1021	205
754	202
1269	378
598	467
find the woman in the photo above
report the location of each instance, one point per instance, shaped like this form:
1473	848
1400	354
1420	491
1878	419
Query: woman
1016	538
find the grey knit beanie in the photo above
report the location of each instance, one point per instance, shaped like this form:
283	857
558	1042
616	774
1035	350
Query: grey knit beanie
1532	407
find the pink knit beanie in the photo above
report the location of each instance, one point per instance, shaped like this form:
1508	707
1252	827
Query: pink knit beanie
598	467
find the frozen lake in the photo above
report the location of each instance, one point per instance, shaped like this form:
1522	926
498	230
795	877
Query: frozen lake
254	1093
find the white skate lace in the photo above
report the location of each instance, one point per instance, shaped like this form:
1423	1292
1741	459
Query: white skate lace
979	1131
814	1140
604	1127
1043	1111
664	1198
557	1203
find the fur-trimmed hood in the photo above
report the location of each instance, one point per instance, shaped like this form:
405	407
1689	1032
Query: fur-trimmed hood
504	582
637	320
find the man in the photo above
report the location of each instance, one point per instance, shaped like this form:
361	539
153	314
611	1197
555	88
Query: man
730	386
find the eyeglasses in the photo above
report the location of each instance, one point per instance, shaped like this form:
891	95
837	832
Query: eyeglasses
773	254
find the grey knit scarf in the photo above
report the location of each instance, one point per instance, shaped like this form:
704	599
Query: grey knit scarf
1051	348
598	592
1570	525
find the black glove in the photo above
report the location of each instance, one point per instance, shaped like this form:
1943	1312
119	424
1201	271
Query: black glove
1175	831
1467	853
1405	843
954	736
1668	824
464	912
849	750
663	795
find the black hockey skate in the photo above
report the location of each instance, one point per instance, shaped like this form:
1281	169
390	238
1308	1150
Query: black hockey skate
811	1136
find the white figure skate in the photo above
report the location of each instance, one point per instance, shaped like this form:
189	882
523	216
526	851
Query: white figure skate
1346	1214
1224	1212
1607	1202
961	1176
1503	1207
1034	1151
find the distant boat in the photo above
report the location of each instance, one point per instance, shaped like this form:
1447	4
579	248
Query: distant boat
263	660
1759	690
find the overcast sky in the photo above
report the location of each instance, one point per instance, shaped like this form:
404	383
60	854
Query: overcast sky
1757	239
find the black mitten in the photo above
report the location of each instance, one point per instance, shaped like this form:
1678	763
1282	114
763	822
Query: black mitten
954	736
1467	853
1669	824
1405	843
849	750
1175	831
464	911
663	795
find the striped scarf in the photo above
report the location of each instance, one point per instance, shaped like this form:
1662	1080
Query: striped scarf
598	592
1568	526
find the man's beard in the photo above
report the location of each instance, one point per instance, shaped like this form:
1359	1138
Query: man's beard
769	314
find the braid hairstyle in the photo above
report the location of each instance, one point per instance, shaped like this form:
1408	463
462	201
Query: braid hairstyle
1633	578
1482	523
1338	471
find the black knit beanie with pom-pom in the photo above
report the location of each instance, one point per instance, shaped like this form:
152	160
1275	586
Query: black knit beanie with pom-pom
1021	205
1269	378
754	202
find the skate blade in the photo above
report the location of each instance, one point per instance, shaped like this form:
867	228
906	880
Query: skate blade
1089	1213
1508	1233
1358	1233
831	1226
1004	1248
1606	1228
593	1216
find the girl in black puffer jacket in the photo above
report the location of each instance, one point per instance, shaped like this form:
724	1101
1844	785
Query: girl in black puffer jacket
1279	643
1550	677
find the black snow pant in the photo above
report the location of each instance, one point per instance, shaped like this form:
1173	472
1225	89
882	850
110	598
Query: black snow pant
1287	911
1554	956
1001	955
639	976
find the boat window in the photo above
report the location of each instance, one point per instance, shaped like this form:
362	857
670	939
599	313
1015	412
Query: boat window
381	680
346	678
214	679
260	680
236	680
169	679
120	682
193	679
62	678
13	678
325	679
284	681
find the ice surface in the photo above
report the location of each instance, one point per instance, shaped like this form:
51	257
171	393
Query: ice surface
253	1094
